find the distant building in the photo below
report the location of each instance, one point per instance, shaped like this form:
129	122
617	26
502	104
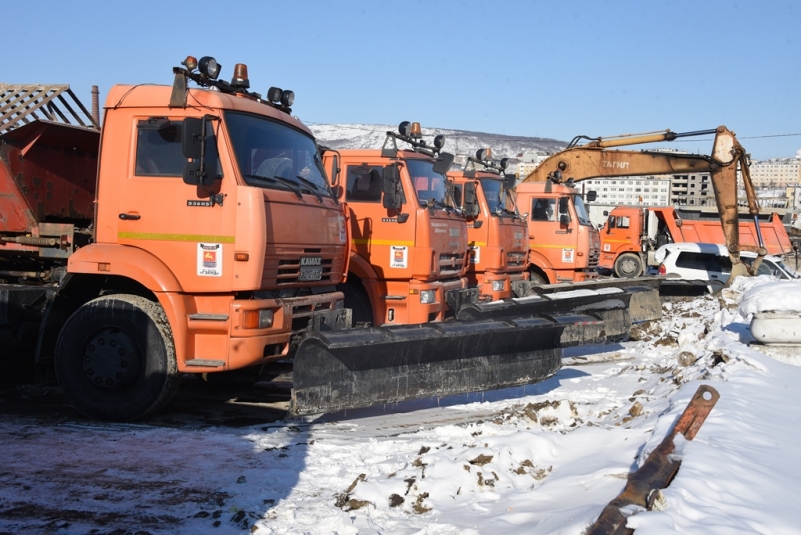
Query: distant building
633	190
778	172
529	161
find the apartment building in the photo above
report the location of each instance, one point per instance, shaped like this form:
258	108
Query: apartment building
635	190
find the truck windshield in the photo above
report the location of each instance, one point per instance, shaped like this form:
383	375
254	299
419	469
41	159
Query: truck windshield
494	193
581	211
271	154
428	185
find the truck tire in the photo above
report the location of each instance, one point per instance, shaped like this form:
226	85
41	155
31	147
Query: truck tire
115	358
358	302
628	266
536	278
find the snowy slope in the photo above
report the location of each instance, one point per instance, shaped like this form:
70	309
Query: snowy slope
372	136
544	459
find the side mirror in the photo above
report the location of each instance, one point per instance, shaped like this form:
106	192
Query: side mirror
443	163
509	182
202	169
564	219
564	204
471	208
606	213
335	171
592	195
391	186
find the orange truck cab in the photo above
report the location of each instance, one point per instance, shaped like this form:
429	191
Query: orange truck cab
497	235
216	238
409	242
563	243
632	234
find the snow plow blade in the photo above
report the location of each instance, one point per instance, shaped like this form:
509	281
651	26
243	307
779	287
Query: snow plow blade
337	370
644	304
608	308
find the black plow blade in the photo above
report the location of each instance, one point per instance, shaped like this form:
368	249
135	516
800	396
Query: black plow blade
338	370
607	310
644	304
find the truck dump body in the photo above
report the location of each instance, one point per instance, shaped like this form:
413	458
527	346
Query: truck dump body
630	233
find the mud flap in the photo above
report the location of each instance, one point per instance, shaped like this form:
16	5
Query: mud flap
338	370
608	309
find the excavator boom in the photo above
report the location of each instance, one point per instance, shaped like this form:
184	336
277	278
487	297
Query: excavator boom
594	159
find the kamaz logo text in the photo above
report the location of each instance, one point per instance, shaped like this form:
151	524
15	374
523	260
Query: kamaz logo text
311	261
615	165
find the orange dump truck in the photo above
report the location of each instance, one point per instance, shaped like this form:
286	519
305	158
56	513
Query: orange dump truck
631	233
497	236
409	249
564	245
165	243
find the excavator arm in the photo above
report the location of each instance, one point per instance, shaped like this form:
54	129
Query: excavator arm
596	159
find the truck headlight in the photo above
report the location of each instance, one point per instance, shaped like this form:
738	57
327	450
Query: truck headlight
498	286
258	319
428	297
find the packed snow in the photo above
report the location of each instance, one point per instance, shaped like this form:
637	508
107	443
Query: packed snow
542	459
372	136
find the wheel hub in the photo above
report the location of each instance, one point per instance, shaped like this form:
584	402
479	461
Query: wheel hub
111	359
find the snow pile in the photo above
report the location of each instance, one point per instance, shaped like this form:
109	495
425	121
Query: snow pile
773	296
546	458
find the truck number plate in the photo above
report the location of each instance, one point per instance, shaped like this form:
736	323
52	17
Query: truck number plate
308	273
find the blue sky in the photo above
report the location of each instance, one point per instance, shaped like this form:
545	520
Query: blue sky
552	69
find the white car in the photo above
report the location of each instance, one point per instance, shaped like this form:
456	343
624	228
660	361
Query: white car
708	264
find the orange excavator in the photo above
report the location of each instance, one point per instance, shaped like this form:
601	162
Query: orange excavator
597	159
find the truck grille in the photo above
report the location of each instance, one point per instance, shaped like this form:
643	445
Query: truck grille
592	261
451	264
313	266
515	259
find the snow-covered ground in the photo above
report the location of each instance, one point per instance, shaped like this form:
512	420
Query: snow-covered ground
544	459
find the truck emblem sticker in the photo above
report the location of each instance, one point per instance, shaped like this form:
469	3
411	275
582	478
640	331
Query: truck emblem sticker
199	203
398	256
607	247
209	259
454	233
518	235
475	254
567	256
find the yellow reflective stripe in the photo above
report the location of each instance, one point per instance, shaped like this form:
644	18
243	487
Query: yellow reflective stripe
616	241
174	237
365	241
477	244
537	245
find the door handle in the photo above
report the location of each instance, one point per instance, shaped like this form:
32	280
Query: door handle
130	217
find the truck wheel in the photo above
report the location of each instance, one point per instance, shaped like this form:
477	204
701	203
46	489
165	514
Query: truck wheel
536	279
358	302
628	266
115	358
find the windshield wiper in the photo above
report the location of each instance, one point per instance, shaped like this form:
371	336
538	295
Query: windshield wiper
432	202
313	185
280	181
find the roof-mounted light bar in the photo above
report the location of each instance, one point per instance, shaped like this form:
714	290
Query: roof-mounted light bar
412	134
205	73
484	157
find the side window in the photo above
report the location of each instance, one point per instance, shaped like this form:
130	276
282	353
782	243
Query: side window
543	209
457	195
623	222
692	261
158	152
363	183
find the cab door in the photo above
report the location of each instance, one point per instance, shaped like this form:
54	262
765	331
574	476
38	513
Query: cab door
189	228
